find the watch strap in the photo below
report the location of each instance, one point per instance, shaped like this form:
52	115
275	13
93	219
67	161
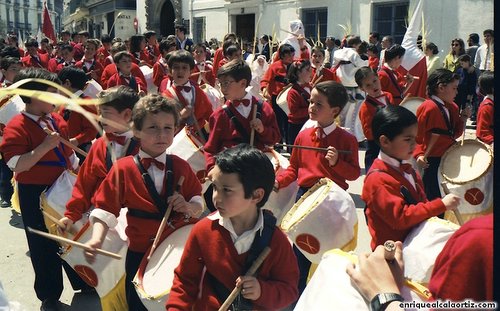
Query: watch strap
381	301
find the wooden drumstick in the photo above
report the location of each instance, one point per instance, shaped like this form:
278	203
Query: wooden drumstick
254	117
164	221
312	148
67	143
74	243
389	250
455	210
256	264
58	222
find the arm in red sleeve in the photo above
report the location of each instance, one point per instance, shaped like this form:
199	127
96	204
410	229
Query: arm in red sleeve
88	131
218	126
157	74
109	195
271	134
484	129
347	165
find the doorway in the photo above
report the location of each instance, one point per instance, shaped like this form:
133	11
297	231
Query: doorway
245	27
167	18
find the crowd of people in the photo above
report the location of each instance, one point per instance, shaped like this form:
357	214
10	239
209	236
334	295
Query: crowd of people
139	117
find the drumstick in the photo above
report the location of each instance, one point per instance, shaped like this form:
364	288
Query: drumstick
256	264
67	143
287	31
74	243
312	148
254	117
58	222
164	220
455	210
389	250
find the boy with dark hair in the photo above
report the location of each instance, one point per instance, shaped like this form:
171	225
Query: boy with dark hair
32	57
124	76
373	60
319	72
37	159
81	131
223	245
195	108
485	114
155	119
466	95
104	51
67	52
393	190
160	68
110	69
152	48
88	63
202	72
183	42
390	79
10	67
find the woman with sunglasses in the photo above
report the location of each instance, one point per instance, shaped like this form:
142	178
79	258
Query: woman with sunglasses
451	60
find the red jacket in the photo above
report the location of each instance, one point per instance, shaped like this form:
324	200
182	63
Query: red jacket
485	121
298	104
117	79
373	62
223	133
79	126
90	176
218	56
367	112
464	268
53	63
208	75
95	66
430	119
131	192
210	247
110	70
101	55
389	216
327	74
21	135
394	85
42	62
276	69
309	166
160	71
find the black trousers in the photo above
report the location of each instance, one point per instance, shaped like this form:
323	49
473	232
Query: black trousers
430	180
44	252
282	120
6	189
372	151
293	131
132	263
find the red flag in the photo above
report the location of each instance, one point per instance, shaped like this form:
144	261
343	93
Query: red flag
47	27
414	60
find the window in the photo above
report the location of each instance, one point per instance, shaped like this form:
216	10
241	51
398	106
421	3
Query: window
199	33
311	18
390	19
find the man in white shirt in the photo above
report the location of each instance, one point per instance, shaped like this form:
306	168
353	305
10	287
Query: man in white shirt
484	54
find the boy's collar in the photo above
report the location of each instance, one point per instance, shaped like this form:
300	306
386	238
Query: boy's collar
390	160
145	155
228	225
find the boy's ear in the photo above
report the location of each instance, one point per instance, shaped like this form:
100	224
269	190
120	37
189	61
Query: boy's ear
258	195
127	114
384	141
335	111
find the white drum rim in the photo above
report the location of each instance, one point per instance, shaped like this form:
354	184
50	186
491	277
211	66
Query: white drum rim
285	225
406	100
285	89
275	156
458	145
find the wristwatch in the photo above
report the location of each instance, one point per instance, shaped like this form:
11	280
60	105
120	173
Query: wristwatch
381	301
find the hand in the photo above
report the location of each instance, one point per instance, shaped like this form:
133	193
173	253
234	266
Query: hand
376	275
67	224
74	141
257	125
186	112
51	141
178	203
90	255
466	113
332	156
409	79
422	162
451	201
265	94
250	287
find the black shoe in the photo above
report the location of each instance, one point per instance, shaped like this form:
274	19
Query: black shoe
50	305
4	203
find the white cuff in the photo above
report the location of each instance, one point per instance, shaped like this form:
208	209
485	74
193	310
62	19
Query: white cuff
13	162
108	218
74	161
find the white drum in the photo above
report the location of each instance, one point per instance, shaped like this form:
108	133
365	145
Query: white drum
352	122
331	288
468	172
148	75
105	273
422	246
214	95
155	277
190	149
92	88
12	107
53	201
279	203
322	219
282	98
412	103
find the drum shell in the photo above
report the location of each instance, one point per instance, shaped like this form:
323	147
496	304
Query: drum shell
188	148
214	95
329	222
474	186
11	108
92	88
148	75
422	246
282	99
168	253
412	103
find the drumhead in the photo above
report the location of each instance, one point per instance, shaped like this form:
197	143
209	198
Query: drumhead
308	202
412	103
465	163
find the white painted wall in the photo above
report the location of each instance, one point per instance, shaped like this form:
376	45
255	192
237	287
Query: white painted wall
124	25
141	15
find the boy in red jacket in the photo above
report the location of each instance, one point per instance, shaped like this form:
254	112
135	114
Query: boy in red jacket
390	79
37	160
90	65
368	82
485	114
155	120
392	190
124	76
222	246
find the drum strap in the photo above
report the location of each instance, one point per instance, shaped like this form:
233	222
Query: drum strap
130	150
375	102
448	132
239	127
259	243
159	202
394	81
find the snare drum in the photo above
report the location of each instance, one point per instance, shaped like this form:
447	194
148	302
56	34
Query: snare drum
468	171
92	88
214	95
412	103
422	246
282	98
279	203
53	201
11	108
322	219
190	149
331	288
148	75
352	123
155	277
